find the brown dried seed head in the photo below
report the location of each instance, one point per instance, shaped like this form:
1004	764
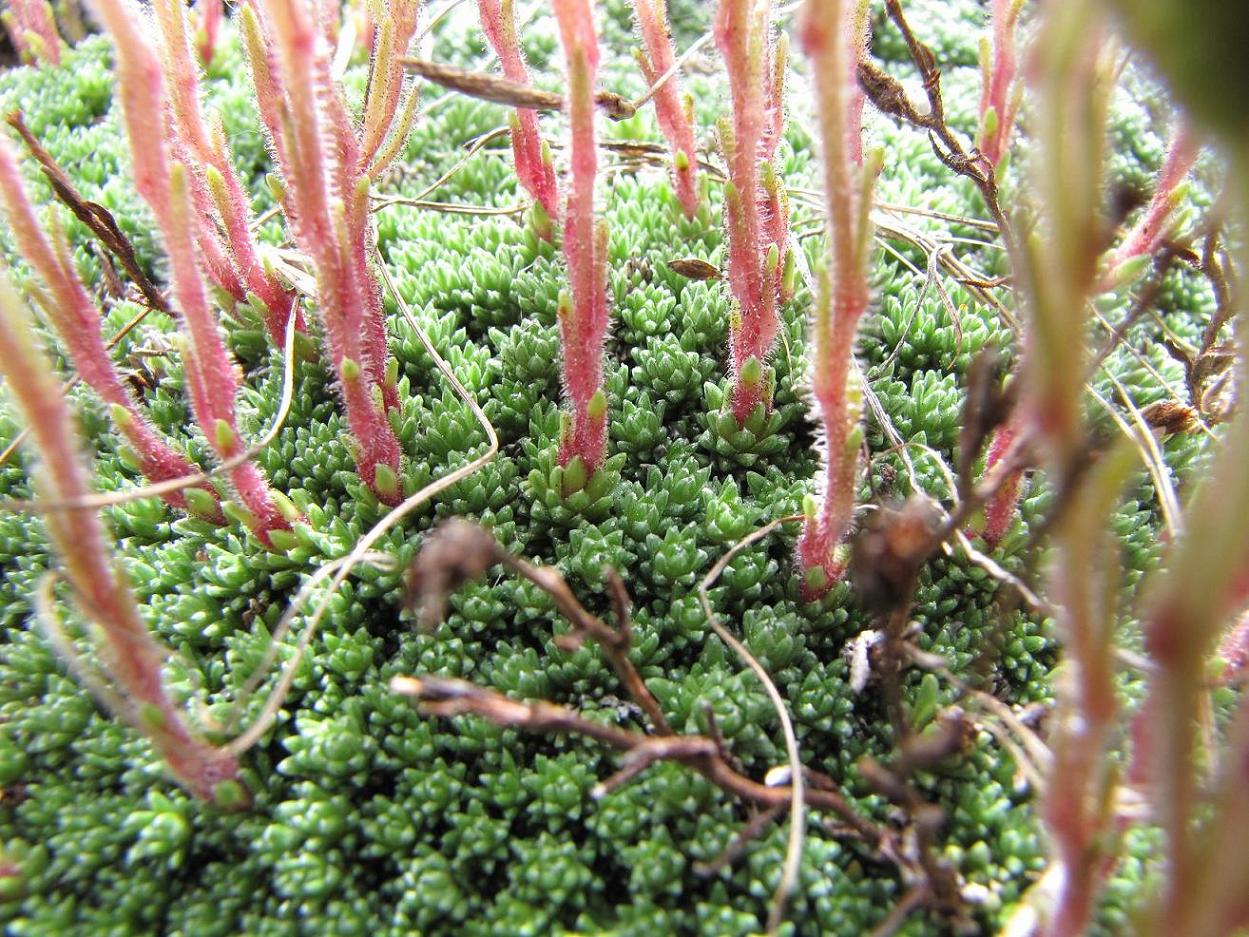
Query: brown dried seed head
456	553
694	269
1170	417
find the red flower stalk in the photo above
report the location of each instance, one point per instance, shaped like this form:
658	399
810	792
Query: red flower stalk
834	35
756	209
32	28
530	155
324	193
999	94
1129	260
583	314
392	34
210	16
77	321
230	253
213	379
130	657
674	112
999	512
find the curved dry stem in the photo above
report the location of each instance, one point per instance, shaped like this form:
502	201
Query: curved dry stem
364	546
382	561
95	502
47	618
797	802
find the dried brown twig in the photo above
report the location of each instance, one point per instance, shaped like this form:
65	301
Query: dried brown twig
95	216
489	87
889	97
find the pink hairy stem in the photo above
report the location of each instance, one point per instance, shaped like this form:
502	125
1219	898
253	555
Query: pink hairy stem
583	316
756	212
131	657
325	198
212	377
390	43
211	13
1000	510
834	35
233	261
533	168
997	91
672	110
1148	234
32	28
77	321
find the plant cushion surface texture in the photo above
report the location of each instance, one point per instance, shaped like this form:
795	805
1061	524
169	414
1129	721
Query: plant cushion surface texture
369	817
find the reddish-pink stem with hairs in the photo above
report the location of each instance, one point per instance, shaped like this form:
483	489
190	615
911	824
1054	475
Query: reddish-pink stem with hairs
755	208
77	321
533	167
130	656
213	379
834	35
672	110
583	317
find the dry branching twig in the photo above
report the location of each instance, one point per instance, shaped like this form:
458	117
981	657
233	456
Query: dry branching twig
460	549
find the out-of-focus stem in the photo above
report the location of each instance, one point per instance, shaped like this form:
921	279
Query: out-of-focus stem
130	656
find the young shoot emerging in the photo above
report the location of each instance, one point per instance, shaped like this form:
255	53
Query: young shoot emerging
32	30
582	309
834	34
223	231
999	92
755	205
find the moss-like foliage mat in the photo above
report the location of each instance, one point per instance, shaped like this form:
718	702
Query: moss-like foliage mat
369	818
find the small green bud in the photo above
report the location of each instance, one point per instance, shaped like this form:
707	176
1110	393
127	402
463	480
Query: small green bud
349	370
540	221
564	307
392	371
283	540
216	184
276	187
989	123
121	416
681	161
789	276
230	795
752	372
239	514
129	458
547	159
385	480
816	579
596	409
200	503
286	507
224	437
854	439
151	716
772	262
1128	272
810	507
